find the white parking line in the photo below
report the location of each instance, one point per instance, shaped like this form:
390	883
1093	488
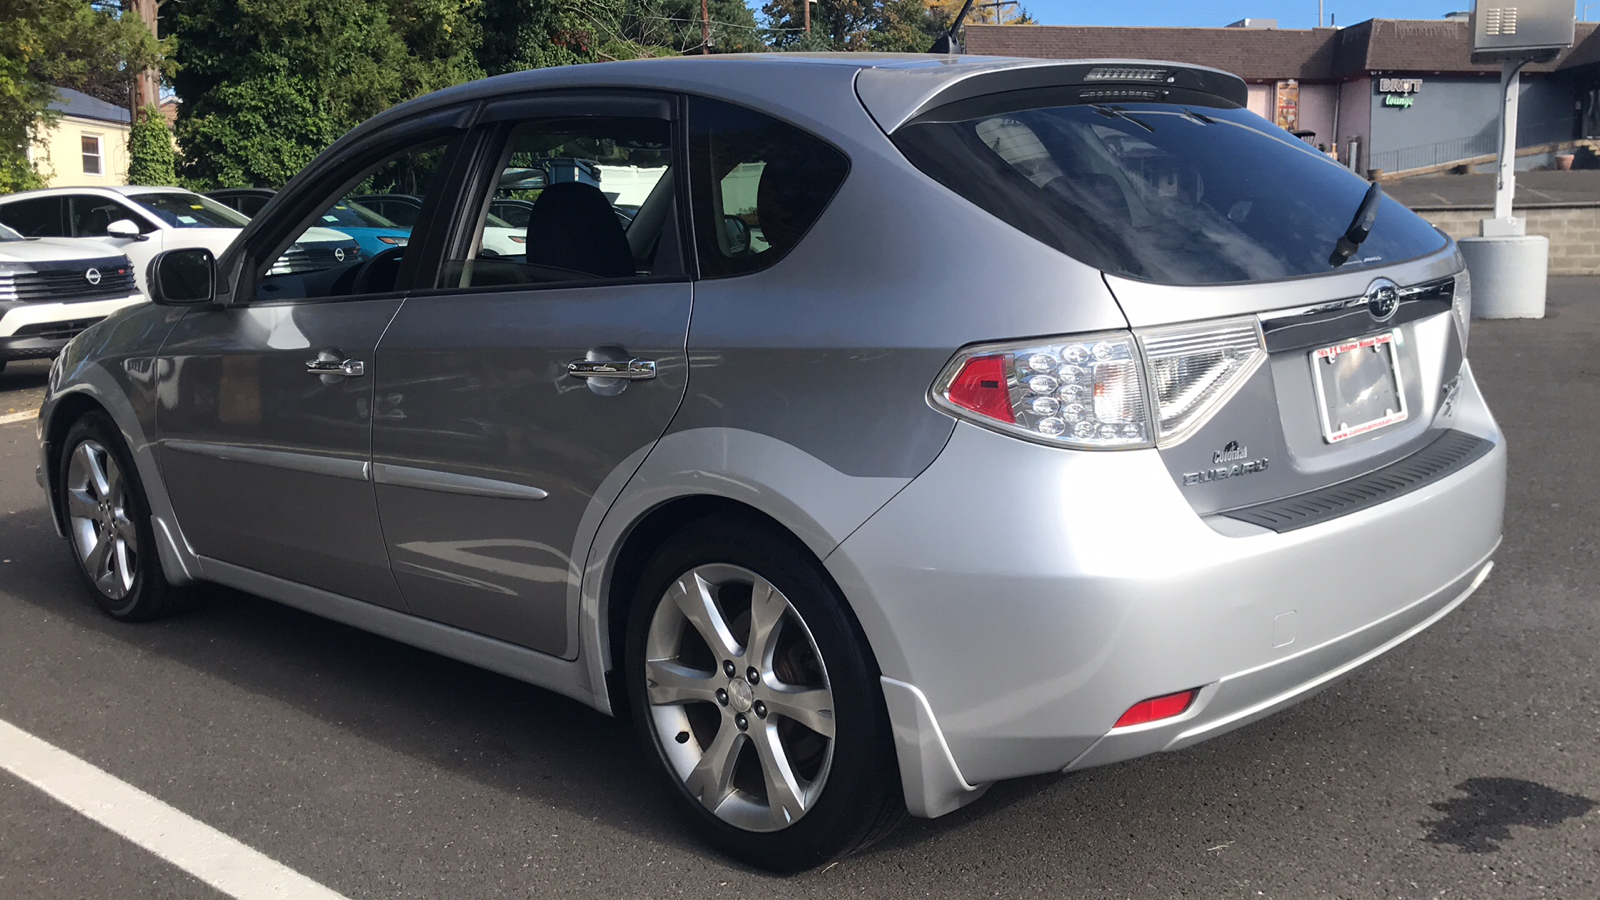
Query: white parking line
178	838
19	417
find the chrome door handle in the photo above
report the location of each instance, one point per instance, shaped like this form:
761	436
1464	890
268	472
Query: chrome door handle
630	370
350	368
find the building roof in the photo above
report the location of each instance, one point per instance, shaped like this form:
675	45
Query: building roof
77	103
1254	54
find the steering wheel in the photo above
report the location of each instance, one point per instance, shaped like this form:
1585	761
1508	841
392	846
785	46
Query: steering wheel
378	272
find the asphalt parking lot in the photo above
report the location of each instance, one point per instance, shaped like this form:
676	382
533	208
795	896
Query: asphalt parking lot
1464	764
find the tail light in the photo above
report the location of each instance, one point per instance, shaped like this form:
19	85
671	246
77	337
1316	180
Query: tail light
1461	305
1108	391
1195	369
1083	392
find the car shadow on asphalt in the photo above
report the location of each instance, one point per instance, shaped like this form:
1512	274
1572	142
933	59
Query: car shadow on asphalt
527	741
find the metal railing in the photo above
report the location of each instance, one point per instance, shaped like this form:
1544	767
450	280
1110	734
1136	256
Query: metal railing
1440	152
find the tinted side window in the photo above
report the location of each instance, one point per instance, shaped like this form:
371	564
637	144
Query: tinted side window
35	217
757	185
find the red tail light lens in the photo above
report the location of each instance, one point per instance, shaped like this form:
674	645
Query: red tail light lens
981	387
1085	392
1157	708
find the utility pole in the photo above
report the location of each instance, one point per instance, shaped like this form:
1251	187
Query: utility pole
146	87
996	6
807	5
705	28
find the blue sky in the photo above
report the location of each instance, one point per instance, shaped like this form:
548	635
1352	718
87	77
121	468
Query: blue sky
1299	14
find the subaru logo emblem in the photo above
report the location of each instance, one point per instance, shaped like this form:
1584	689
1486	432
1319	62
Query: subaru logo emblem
338	254
1383	298
92	276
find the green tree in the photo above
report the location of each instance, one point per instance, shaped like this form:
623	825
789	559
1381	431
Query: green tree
268	84
150	156
50	43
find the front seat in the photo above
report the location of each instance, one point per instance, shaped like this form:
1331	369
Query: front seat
572	226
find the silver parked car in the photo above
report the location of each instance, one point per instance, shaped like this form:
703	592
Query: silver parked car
935	421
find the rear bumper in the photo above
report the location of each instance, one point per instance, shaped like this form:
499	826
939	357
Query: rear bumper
1032	595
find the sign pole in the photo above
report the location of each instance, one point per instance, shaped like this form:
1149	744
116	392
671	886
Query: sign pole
1505	188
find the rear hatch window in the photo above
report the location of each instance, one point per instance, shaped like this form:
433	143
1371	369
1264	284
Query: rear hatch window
1171	193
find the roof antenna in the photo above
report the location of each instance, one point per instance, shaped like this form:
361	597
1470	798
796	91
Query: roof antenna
947	42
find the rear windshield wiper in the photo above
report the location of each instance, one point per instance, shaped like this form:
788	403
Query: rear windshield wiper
1111	112
1360	227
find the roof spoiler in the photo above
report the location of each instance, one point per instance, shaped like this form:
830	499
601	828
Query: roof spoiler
894	97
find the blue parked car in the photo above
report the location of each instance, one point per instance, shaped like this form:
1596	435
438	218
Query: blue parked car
373	232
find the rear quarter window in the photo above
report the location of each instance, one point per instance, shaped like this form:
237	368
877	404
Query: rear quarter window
1163	192
757	186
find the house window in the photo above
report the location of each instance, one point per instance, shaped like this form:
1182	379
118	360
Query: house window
91	155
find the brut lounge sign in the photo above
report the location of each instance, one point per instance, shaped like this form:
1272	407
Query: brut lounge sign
1399	92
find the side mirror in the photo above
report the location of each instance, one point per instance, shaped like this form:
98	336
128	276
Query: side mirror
738	234
185	277
124	228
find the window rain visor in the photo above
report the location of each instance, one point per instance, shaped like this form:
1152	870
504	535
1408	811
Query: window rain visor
1173	193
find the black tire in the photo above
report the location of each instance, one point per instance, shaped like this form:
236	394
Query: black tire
131	586
852	788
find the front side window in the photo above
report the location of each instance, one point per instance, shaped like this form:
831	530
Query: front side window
91	155
325	261
758	185
92	215
1172	193
568	175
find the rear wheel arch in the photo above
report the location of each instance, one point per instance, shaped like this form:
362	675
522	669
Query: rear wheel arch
647	535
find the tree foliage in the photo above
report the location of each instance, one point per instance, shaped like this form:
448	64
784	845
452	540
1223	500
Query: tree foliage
268	84
46	43
150	156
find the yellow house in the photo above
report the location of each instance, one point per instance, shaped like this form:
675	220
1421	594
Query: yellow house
88	145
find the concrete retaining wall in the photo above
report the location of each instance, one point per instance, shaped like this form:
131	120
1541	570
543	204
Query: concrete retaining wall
1574	232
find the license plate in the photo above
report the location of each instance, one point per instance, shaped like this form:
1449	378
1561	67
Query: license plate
1358	386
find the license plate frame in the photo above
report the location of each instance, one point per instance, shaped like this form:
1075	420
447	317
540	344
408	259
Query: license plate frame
1359	379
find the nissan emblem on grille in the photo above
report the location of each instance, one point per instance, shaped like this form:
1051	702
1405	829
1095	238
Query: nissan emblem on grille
92	276
338	253
1383	298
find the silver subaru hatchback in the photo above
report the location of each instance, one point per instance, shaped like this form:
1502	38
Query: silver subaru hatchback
923	421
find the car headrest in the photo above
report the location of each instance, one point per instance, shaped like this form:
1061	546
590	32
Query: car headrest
572	226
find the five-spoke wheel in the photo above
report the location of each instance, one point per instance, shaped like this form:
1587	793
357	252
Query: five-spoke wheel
108	523
752	686
101	528
741	706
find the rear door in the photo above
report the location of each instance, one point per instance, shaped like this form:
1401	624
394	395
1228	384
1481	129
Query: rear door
518	394
265	427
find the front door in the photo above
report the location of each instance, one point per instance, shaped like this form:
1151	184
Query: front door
265	415
517	397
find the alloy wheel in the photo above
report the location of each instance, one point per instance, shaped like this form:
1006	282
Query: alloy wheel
103	532
739	697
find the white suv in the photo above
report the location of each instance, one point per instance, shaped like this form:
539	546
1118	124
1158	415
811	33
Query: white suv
51	290
143	221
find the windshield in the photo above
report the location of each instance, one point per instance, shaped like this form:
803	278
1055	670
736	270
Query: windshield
1162	192
180	209
350	214
7	234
